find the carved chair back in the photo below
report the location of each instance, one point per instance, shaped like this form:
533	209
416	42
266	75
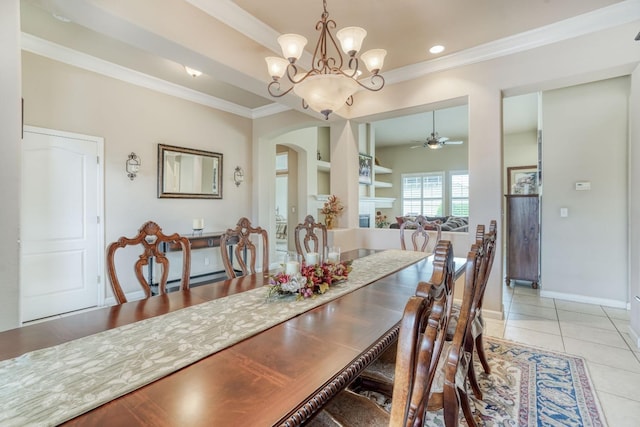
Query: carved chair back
420	229
421	338
487	244
311	236
449	390
243	240
150	237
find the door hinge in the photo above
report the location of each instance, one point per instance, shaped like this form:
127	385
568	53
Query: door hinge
98	160
98	219
99	278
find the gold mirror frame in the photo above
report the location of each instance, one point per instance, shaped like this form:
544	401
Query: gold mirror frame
187	173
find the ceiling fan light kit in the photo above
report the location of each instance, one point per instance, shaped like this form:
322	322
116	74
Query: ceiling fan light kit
329	83
435	141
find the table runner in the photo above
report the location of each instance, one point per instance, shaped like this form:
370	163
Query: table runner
53	385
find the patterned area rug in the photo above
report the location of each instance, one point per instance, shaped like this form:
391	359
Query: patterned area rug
528	387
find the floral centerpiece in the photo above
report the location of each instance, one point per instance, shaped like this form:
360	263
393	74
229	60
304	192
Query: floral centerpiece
381	220
331	209
311	280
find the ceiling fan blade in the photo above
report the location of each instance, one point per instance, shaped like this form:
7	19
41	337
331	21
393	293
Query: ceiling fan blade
417	146
454	142
443	139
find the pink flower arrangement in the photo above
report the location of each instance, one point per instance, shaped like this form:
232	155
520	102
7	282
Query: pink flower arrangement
312	279
332	206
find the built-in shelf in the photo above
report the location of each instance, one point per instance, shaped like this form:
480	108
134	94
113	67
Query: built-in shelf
324	166
382	184
379	202
381	170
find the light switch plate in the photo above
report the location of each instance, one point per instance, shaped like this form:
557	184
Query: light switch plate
564	212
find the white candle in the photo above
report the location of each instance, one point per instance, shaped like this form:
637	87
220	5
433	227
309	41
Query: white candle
312	258
198	223
333	257
292	267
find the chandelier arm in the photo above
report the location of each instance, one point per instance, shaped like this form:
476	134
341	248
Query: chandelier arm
349	101
353	60
292	70
275	85
339	61
373	87
321	62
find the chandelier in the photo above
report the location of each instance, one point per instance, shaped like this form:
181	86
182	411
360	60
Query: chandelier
328	84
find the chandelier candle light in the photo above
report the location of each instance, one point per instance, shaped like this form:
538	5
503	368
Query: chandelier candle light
327	85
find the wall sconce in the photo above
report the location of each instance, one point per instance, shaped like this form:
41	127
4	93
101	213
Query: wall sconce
238	176
133	165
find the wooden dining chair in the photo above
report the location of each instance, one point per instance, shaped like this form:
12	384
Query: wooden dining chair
380	376
242	240
421	233
150	238
310	236
488	246
420	344
449	389
485	243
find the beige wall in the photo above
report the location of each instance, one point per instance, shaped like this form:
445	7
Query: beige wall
585	132
10	81
131	118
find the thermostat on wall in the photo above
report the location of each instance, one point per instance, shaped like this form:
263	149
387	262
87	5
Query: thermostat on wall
583	186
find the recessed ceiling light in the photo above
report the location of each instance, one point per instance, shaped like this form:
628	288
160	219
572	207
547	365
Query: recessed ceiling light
437	49
193	72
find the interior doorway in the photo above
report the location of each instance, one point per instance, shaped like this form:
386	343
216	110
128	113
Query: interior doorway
522	189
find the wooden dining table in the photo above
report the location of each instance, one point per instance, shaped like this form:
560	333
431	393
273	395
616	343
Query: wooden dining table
280	376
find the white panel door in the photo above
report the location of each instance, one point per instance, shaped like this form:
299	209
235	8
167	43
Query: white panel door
59	228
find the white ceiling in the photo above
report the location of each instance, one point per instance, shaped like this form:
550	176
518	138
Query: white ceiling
228	41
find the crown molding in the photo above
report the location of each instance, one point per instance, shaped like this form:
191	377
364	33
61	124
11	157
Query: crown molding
240	20
617	14
269	110
78	59
597	20
228	12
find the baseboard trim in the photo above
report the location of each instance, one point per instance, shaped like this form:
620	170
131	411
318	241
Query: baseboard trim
584	299
131	296
634	336
492	314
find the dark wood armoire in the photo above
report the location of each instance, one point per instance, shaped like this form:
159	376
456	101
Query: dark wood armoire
523	238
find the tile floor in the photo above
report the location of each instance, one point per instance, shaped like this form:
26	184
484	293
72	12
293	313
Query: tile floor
598	334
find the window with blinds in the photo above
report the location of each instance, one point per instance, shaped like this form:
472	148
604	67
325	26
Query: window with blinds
459	193
423	194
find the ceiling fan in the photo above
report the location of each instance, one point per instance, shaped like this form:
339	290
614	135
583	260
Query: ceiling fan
434	141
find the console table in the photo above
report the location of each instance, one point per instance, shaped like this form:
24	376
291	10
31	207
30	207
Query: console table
198	241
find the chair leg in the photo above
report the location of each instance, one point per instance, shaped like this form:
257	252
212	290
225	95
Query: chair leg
466	407
481	354
473	381
451	405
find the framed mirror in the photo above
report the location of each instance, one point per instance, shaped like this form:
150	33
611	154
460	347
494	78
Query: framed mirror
187	173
